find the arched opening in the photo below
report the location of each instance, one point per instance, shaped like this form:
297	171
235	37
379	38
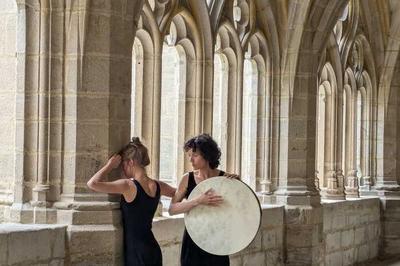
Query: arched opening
321	130
137	88
249	124
172	80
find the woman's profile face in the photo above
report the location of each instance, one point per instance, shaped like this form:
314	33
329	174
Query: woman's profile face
197	160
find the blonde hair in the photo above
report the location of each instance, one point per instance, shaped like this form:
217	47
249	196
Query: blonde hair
136	151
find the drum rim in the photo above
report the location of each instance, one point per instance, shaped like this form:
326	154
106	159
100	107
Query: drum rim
259	224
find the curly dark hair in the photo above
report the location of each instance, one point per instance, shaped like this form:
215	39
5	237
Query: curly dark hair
207	147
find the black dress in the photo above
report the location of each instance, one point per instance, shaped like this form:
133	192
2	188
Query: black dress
191	254
140	246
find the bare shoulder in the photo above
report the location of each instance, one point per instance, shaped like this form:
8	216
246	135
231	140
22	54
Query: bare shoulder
184	180
129	183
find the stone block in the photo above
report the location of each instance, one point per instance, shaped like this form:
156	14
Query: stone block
348	257
373	248
274	257
254	259
334	259
235	261
338	222
57	243
3	248
93	107
360	235
272	216
303	216
37	242
333	242
7	103
168	231
171	254
255	245
347	238
391	247
362	253
102	244
269	239
392	228
302	256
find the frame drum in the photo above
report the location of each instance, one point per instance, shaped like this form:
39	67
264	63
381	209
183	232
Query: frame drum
229	227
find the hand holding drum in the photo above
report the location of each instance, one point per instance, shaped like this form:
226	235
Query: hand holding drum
229	227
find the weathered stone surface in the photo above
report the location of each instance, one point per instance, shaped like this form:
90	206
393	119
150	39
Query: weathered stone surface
32	244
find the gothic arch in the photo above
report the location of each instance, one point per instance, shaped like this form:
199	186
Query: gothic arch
147	89
228	44
185	37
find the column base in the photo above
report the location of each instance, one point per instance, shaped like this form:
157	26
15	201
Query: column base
352	193
94	232
387	189
332	194
297	195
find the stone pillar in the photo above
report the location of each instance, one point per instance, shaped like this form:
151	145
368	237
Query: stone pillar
296	187
9	81
387	182
351	188
36	184
333	190
367	142
97	91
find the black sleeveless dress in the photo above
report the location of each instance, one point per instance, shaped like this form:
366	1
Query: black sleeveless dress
140	246
191	254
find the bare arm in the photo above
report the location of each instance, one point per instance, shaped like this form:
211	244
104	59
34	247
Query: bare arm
166	189
120	186
178	206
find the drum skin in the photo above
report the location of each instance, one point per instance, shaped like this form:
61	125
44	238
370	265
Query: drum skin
229	227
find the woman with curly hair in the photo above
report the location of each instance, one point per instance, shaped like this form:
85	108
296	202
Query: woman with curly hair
204	155
139	201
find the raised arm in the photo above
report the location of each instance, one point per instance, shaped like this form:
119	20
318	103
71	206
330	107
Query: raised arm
178	206
120	186
166	189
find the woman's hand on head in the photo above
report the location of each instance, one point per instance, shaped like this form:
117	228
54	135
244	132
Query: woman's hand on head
114	161
210	198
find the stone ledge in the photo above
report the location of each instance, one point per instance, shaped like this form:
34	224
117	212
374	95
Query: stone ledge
45	243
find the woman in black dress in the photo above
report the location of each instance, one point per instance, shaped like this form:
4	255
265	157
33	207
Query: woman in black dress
204	156
139	201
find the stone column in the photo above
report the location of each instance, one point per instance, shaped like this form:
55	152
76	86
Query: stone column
97	91
338	134
332	191
10	110
296	186
235	93
366	136
351	188
387	184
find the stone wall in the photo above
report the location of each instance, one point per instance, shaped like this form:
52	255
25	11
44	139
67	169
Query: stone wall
351	230
267	247
32	244
351	234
